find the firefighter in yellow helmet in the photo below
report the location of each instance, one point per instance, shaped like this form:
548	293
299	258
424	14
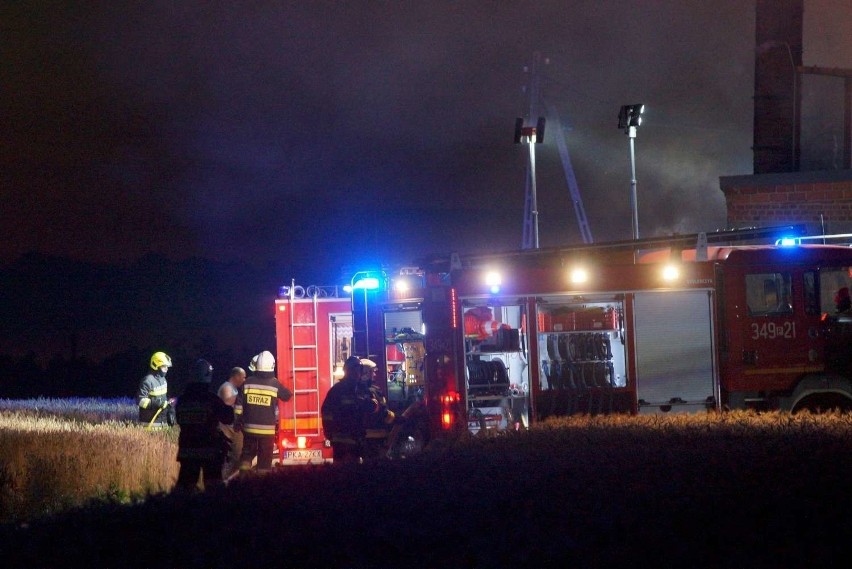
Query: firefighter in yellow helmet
256	412
155	409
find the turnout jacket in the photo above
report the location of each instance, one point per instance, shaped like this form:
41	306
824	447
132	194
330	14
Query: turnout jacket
349	409
199	413
152	396
257	403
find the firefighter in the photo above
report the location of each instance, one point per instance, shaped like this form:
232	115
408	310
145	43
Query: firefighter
376	417
155	409
202	445
256	411
341	414
355	414
228	392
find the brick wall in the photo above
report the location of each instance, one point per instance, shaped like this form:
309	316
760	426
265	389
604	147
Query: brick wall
812	198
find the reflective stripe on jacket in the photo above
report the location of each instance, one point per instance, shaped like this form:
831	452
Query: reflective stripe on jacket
152	396
258	402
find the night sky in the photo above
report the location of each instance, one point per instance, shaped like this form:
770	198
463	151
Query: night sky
313	135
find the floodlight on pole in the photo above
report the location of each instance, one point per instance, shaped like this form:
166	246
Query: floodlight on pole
531	135
629	118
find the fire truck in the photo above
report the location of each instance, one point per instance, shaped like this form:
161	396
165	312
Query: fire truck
313	330
694	323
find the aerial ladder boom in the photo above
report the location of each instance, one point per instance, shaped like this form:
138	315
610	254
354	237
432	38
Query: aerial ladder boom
576	199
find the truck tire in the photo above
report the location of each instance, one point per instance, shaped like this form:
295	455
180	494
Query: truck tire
409	444
824	403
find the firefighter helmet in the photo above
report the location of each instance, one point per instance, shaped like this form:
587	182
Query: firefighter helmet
368	368
265	361
160	359
352	363
253	363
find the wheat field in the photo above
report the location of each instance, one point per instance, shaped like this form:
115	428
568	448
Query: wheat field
737	489
57	454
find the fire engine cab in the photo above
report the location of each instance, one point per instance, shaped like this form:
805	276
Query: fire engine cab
493	342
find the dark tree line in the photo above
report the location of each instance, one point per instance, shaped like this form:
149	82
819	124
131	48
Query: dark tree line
83	329
117	375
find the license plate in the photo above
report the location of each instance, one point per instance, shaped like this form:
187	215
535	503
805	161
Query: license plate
302	455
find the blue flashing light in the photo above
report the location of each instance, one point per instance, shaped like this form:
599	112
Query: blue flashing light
369	283
788	242
494	289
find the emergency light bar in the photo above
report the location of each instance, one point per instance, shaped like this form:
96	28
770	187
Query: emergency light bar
369	283
837	239
365	280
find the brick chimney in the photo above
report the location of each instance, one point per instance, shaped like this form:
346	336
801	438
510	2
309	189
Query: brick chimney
777	85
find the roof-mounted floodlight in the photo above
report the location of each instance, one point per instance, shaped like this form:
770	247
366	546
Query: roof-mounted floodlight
493	280
671	272
579	275
401	285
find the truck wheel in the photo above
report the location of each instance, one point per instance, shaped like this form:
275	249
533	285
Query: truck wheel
824	403
409	444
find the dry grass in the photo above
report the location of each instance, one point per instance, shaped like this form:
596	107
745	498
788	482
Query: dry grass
732	490
49	463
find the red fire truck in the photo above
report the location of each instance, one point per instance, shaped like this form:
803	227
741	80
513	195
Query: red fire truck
313	329
492	342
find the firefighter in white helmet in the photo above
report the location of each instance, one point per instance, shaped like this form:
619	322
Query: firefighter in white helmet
256	412
353	411
155	410
377	418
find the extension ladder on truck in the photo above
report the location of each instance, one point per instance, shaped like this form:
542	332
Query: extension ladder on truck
304	363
